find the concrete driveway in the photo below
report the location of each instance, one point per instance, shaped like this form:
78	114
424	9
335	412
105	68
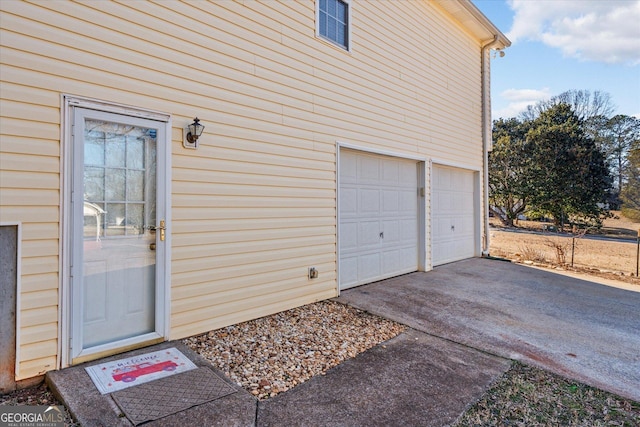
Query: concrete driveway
578	329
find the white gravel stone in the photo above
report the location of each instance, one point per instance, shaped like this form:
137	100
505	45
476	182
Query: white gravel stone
275	353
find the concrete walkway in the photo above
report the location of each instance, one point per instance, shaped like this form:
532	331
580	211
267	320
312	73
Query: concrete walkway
468	319
413	379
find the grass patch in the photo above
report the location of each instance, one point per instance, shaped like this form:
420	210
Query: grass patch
528	396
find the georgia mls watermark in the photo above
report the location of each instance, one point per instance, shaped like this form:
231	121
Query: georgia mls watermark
31	416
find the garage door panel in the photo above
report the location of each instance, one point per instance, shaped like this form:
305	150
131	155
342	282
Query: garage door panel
463	202
387	218
463	181
349	202
407	257
369	266
369	201
368	234
349	269
398	262
464	252
442	180
408	201
368	170
466	225
457	202
390	233
407	177
348	168
348	236
408	230
390	262
390	202
390	172
444	201
440	228
453	214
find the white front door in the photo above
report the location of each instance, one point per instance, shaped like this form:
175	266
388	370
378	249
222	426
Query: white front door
119	232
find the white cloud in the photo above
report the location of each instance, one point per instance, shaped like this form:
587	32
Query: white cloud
518	100
601	31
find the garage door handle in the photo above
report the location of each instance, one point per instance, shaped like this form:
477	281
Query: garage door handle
453	228
382	235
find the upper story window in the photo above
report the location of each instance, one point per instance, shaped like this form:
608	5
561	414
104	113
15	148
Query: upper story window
333	21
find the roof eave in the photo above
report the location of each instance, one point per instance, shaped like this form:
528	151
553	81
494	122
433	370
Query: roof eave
475	21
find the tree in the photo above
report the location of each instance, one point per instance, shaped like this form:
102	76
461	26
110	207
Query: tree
622	132
508	179
567	169
630	193
587	107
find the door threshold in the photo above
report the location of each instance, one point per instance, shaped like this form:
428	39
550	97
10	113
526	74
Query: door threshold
113	351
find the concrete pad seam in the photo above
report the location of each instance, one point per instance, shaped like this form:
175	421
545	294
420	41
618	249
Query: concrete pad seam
488	353
255	419
427	333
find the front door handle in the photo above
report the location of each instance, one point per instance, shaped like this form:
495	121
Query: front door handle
162	227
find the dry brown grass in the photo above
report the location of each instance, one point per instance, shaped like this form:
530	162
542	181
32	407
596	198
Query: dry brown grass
604	255
615	258
620	226
526	396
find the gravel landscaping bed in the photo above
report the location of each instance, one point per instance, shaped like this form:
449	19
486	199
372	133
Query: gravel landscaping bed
272	354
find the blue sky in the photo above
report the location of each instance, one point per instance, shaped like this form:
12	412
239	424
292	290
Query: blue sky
560	45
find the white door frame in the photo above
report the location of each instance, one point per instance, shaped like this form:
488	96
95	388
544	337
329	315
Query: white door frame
69	103
423	164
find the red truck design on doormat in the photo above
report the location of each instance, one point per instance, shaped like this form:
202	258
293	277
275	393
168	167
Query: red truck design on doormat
130	373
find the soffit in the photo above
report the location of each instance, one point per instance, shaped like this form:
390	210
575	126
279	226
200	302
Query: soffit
468	15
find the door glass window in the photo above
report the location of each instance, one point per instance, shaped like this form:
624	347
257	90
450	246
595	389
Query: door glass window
119	179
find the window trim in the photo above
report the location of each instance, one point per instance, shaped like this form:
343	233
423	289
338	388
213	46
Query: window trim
320	36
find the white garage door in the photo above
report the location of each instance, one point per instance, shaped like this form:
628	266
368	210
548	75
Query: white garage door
378	235
453	214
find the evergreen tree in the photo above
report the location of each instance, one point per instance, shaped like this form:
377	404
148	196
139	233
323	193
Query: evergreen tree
568	171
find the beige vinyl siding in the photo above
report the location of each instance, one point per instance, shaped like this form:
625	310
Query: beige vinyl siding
30	193
255	205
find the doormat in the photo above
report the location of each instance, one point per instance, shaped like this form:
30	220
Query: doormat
124	373
167	396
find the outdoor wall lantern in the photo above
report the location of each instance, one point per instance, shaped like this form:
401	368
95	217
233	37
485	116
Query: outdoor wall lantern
192	133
